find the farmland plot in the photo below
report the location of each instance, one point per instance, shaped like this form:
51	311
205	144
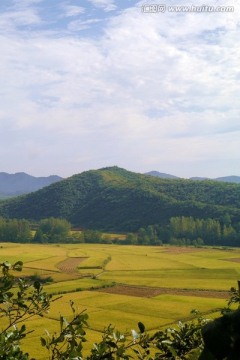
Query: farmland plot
122	285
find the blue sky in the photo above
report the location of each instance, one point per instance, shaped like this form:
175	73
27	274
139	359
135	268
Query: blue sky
92	83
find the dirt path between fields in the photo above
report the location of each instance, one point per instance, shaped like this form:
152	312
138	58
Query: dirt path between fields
70	265
151	292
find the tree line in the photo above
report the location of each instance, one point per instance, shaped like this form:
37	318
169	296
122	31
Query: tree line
15	230
179	231
189	231
50	230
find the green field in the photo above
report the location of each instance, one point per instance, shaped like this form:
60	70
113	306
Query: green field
85	272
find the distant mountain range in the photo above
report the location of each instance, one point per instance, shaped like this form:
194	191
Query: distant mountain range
21	183
114	199
230	179
12	185
161	175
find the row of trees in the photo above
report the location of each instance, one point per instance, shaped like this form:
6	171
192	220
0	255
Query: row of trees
209	231
15	230
179	231
54	230
48	230
189	231
51	230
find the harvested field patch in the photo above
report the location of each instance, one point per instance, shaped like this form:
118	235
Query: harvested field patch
151	292
237	260
70	265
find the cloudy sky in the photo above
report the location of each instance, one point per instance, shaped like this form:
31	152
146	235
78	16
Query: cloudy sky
92	83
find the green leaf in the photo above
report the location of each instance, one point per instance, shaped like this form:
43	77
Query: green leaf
37	285
43	341
141	327
18	266
23	328
7	264
112	344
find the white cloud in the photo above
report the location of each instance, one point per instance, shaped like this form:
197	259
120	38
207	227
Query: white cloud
73	10
12	19
107	5
78	25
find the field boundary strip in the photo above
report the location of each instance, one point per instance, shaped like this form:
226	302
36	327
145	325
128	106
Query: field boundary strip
141	291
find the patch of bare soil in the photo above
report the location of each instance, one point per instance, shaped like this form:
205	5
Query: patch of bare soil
233	259
70	265
151	292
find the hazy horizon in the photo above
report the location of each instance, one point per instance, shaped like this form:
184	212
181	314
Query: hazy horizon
140	172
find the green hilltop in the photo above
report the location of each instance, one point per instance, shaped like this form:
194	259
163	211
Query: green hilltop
115	199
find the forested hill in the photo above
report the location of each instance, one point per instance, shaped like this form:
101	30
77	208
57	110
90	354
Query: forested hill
120	200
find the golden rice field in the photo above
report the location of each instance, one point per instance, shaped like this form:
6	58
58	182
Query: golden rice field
122	285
